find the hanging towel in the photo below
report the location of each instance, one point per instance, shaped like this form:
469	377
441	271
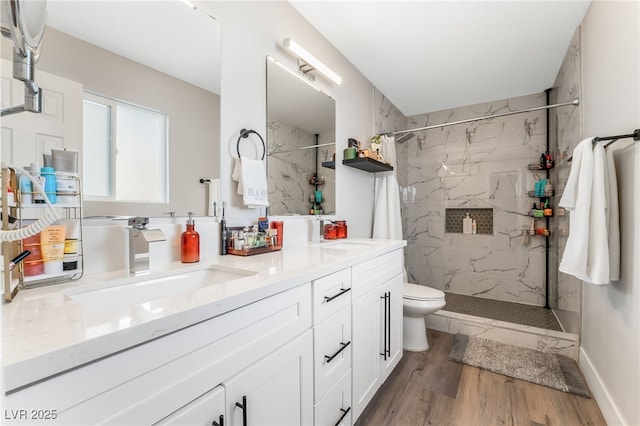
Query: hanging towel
252	182
598	249
387	221
591	198
576	198
613	217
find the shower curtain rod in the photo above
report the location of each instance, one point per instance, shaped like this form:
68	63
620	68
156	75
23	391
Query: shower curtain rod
301	148
469	120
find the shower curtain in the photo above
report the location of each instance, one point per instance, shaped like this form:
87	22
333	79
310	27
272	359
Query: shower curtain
387	221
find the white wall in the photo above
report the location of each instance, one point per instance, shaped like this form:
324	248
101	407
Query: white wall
610	351
250	32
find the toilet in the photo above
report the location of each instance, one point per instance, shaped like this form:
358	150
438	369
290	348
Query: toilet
417	302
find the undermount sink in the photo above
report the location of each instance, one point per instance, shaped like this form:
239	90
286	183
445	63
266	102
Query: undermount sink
345	245
134	290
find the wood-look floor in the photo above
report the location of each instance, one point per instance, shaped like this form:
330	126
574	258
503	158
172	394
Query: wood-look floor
428	389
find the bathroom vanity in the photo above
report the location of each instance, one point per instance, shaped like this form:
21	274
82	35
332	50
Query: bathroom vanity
302	336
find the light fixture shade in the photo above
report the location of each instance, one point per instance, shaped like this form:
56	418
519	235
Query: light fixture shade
311	60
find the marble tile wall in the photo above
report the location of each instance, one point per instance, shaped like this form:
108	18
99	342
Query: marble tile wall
289	173
477	165
485	168
566	133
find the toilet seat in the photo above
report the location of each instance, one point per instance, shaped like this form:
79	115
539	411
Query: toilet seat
421	292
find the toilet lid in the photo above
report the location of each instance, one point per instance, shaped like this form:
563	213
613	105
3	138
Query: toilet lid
421	292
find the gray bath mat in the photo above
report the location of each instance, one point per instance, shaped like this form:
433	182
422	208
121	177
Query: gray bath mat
552	370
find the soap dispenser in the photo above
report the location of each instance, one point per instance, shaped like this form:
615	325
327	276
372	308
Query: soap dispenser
467	225
190	243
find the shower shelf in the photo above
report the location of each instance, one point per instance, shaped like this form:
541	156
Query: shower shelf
329	164
537	167
543	194
367	164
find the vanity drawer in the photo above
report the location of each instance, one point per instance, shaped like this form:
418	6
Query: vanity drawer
370	274
330	294
331	350
335	407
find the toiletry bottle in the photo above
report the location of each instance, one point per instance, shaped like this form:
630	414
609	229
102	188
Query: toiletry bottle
467	225
26	189
49	183
474	227
543	161
190	243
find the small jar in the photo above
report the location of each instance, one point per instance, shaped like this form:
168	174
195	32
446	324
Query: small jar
341	228
330	231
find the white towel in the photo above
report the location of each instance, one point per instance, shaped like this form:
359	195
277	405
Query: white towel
598	257
252	182
613	217
214	197
591	197
387	220
576	198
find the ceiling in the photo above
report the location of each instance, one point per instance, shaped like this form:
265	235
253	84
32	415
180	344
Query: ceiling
165	35
428	56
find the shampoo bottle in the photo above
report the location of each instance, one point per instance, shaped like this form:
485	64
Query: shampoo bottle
190	243
467	225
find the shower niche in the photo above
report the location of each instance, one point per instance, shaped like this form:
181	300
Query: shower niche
482	216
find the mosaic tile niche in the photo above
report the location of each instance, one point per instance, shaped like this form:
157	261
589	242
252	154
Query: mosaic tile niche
483	218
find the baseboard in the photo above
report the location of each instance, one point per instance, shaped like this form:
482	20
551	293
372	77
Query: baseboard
607	406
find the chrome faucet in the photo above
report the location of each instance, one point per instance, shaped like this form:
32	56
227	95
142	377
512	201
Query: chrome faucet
139	238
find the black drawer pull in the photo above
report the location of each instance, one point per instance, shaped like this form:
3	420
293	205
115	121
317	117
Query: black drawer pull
244	409
343	346
344	413
342	291
220	422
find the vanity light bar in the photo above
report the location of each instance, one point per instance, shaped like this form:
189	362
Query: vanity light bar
311	60
300	77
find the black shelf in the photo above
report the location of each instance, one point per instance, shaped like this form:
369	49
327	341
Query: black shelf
368	164
329	164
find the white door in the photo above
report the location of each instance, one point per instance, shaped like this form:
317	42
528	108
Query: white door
367	348
276	391
26	135
207	410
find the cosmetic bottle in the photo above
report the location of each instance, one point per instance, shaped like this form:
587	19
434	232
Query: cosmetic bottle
474	227
190	243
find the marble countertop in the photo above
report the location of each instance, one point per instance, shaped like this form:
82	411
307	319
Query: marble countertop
45	331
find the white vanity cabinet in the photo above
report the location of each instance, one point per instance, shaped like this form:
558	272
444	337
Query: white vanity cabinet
377	325
313	352
166	376
332	348
207	410
277	390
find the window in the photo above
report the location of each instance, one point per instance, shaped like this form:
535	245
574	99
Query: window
125	151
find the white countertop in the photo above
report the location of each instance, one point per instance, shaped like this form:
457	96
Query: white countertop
45	331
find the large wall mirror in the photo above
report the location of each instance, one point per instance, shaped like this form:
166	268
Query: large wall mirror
157	56
300	145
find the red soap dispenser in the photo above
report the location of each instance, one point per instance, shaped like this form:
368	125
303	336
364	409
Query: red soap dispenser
190	243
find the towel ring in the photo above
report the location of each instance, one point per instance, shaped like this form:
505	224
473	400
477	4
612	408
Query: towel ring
244	133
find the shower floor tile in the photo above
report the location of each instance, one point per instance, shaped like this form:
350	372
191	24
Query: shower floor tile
517	313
